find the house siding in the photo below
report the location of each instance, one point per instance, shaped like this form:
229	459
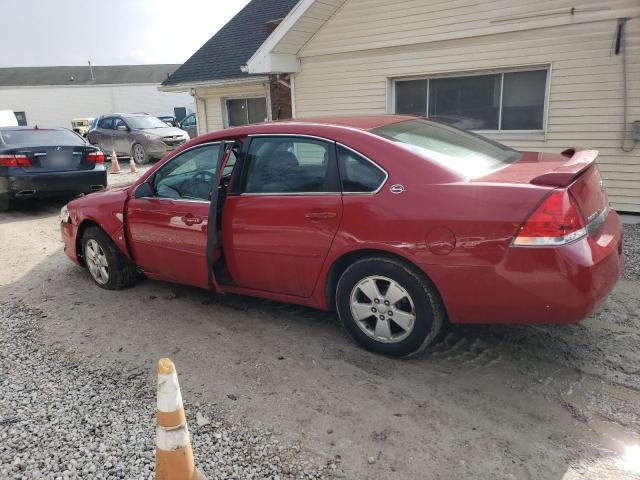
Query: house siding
210	102
347	67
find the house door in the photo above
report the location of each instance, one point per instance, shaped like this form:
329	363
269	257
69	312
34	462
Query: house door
179	113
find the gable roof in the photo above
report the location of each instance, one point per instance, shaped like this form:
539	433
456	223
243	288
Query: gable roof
278	53
81	75
230	48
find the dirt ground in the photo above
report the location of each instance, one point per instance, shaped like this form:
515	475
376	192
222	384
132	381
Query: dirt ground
552	402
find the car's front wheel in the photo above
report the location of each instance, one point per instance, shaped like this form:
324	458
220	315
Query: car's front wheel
108	266
388	307
139	154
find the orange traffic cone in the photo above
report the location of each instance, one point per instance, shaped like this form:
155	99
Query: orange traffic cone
115	166
174	457
132	166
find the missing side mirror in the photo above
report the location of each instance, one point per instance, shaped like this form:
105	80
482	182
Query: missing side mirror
144	190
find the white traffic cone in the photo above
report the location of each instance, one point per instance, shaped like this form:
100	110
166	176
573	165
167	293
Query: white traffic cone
174	456
132	166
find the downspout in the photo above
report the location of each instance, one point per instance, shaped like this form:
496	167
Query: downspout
292	82
621	47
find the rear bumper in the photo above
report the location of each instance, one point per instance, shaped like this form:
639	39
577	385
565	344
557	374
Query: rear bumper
18	183
534	285
69	232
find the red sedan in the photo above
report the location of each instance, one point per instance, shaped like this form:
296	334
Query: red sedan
396	222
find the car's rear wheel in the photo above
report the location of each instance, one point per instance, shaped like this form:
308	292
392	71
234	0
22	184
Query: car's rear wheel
388	307
108	266
139	154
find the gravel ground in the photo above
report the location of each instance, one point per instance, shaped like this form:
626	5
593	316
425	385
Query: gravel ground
632	251
269	386
60	418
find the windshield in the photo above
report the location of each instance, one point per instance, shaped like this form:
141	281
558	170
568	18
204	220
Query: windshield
143	122
40	138
459	150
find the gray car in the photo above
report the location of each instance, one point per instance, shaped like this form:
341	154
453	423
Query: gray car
140	136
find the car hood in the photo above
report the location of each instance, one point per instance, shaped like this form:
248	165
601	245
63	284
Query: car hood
163	131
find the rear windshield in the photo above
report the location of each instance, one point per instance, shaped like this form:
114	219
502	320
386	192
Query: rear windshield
459	150
142	122
40	138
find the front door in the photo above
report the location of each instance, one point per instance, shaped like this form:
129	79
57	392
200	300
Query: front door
102	135
168	228
120	138
278	225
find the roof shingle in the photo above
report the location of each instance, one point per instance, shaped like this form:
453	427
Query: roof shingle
230	48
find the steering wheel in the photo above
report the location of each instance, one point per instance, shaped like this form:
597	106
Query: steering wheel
199	185
203	176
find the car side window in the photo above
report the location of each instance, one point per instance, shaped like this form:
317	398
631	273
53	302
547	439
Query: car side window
357	174
106	123
188	176
190	121
288	165
117	122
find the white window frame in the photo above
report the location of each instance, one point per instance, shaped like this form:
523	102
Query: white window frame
473	73
225	110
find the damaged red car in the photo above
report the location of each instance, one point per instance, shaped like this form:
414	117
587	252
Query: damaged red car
398	223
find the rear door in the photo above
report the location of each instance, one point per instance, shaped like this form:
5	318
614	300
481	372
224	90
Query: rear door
278	225
168	229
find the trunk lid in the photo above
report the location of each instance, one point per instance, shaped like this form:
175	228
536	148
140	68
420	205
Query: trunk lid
573	169
56	159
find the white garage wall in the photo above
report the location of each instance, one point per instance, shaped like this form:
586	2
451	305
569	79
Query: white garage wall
56	106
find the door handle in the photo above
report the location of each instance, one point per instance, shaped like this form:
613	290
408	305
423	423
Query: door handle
190	219
320	215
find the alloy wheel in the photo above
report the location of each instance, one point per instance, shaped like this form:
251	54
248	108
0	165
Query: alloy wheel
138	153
382	309
97	262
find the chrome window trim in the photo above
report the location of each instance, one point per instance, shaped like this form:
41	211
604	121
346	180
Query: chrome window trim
165	199
288	194
300	135
382	184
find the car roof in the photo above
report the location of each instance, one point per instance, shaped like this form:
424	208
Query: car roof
361	122
33	128
351	122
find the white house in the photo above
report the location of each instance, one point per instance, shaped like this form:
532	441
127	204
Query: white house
533	75
52	96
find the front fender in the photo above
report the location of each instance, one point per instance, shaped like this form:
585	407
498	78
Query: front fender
107	210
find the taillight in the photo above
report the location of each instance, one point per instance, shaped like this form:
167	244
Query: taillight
95	157
14	161
555	222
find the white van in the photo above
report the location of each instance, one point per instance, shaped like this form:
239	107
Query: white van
8	119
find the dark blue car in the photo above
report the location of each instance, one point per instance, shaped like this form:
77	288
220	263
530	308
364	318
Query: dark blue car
43	162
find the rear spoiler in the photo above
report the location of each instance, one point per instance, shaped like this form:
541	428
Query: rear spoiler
579	161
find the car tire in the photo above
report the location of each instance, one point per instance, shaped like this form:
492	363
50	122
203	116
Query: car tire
4	205
401	326
139	154
99	251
